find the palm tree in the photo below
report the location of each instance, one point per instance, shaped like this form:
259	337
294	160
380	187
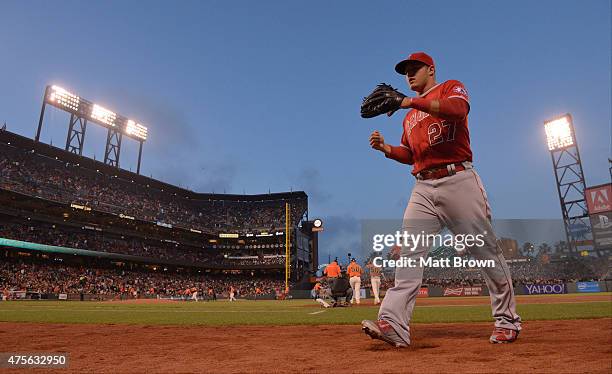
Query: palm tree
543	248
560	247
527	249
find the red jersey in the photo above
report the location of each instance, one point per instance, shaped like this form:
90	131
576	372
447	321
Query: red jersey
433	141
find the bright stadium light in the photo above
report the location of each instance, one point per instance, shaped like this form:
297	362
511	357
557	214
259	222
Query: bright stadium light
559	133
81	111
136	129
569	175
103	115
63	98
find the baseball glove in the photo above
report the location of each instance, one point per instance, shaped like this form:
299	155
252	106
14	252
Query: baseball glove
384	99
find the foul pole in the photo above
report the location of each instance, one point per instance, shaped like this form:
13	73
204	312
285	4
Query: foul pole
287	245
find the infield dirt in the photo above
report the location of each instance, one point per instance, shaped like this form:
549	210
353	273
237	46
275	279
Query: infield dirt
578	346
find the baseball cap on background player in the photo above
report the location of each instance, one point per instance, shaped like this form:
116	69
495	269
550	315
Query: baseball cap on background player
421	57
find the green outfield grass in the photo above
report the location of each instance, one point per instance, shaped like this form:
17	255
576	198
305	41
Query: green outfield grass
293	312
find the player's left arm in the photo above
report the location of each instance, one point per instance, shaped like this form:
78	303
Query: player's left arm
453	105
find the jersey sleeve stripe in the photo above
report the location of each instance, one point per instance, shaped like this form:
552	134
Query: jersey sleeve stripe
459	97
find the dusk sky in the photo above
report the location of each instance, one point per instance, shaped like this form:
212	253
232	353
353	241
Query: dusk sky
247	97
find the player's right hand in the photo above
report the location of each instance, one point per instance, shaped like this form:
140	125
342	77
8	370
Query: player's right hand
377	141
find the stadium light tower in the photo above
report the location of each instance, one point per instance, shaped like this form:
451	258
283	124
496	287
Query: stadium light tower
561	140
81	111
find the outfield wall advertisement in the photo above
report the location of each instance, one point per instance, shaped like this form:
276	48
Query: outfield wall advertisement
587	287
544	289
463	291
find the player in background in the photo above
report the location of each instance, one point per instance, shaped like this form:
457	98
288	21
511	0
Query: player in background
332	272
375	273
354	272
232	292
316	291
194	294
448	193
212	295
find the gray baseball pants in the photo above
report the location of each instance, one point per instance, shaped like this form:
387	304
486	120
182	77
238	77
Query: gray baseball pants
459	203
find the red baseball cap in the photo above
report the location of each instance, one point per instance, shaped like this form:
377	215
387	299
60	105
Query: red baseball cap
423	57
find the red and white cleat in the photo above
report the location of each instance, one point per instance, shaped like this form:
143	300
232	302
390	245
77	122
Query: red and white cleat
382	330
501	335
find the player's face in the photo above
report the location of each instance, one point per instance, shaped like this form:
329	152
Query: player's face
417	76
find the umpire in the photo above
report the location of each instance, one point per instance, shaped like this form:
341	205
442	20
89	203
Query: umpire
342	288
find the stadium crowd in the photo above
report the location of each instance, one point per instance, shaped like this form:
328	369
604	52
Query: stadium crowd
55	278
532	271
161	250
38	175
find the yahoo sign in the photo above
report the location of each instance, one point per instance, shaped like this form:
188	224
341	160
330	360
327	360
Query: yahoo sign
541	289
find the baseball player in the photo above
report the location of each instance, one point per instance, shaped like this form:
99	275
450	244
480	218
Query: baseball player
321	294
354	271
448	193
332	272
232	292
194	294
212	295
375	273
316	290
